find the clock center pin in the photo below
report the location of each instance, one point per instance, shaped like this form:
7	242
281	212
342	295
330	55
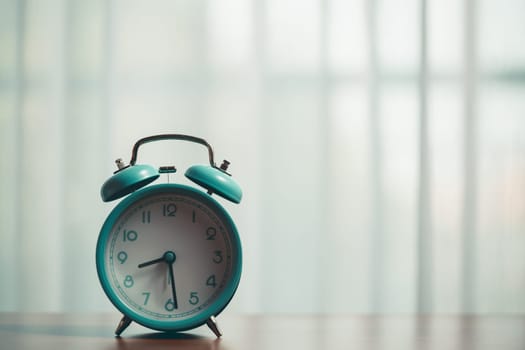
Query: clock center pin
170	257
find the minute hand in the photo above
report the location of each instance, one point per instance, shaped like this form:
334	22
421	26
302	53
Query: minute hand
170	268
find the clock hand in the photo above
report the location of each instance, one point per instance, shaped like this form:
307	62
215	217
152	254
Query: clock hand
170	268
170	258
151	262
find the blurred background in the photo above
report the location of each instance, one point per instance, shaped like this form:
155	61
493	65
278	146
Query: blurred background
380	144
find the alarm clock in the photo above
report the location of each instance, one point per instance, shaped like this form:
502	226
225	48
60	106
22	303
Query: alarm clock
169	255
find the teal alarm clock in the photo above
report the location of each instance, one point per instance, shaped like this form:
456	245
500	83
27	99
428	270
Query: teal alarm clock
169	255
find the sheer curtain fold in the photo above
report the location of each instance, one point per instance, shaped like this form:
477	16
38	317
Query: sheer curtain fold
378	145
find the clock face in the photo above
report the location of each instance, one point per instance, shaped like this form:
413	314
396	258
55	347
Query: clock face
169	257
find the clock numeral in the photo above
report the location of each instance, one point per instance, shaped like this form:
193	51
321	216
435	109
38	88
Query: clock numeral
146	216
218	257
122	257
211	281
128	281
194	298
170	305
193	216
146	297
130	236
169	209
211	232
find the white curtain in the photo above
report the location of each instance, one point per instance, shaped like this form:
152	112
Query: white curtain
380	144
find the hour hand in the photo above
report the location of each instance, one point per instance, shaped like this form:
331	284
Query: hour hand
152	262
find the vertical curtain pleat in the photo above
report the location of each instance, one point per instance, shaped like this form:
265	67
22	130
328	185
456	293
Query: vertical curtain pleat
424	226
324	116
13	18
377	248
470	155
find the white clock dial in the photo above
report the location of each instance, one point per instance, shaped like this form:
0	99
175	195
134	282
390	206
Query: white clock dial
168	256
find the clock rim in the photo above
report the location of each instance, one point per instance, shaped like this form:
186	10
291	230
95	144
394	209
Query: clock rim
217	306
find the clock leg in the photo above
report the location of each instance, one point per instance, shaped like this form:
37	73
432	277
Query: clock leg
123	324
212	323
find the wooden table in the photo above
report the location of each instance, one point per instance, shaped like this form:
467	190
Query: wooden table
272	332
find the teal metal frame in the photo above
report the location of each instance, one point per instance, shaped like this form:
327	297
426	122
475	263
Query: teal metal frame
216	307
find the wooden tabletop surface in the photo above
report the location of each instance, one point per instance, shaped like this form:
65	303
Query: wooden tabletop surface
272	332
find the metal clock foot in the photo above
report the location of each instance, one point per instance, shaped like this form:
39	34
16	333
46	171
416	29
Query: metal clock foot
123	324
212	323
